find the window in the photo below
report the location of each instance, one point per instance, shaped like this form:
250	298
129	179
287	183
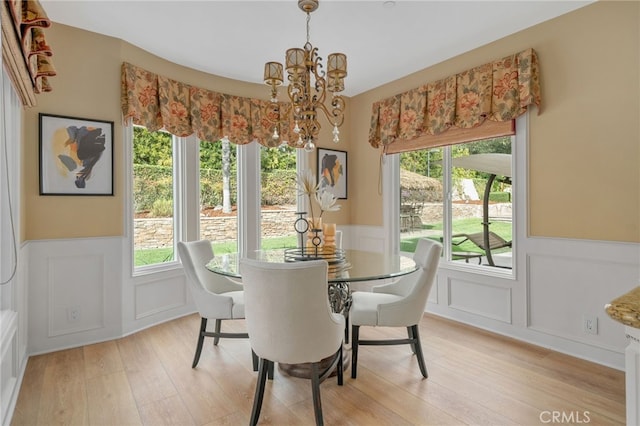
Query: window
462	196
278	197
218	204
186	189
154	197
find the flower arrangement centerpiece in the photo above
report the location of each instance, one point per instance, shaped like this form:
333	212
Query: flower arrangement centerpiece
308	187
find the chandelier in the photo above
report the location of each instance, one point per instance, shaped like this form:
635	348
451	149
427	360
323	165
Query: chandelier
308	87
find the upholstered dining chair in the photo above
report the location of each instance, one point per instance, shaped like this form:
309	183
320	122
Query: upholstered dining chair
215	296
290	321
399	304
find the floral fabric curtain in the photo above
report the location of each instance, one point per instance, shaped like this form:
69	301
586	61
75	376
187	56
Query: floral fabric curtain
499	92
157	102
24	48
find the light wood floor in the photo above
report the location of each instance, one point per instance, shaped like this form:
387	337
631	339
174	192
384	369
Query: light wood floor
475	378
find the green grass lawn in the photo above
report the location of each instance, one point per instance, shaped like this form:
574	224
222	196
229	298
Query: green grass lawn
154	256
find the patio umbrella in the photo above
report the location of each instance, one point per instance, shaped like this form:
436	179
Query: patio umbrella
496	165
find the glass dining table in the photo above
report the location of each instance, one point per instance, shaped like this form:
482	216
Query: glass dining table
345	266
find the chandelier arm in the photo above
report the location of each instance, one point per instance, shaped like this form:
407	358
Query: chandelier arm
335	116
337	110
307	97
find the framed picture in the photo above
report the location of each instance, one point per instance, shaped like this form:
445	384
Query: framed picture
332	171
76	156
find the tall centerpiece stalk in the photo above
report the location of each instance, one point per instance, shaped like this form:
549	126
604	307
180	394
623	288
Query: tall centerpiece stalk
308	187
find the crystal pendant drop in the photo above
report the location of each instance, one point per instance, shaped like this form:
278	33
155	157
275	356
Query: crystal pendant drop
296	129
300	141
336	132
309	146
276	136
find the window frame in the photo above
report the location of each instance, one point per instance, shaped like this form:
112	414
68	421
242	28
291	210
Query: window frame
181	165
391	197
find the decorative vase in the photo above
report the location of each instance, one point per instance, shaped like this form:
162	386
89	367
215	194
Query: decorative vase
329	237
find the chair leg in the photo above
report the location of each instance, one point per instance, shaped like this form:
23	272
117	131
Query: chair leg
418	351
346	328
340	367
412	337
355	333
257	399
315	390
270	371
203	329
218	327
255	360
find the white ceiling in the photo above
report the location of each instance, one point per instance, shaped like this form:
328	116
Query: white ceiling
383	40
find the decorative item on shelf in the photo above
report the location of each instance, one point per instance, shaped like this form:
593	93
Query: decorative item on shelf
308	87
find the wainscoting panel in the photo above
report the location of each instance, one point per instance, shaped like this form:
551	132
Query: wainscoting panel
75	292
480	299
76	285
159	296
564	290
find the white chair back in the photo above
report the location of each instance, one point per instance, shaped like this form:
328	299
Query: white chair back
288	316
414	288
208	288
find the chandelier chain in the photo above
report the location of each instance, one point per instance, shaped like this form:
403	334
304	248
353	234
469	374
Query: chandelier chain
308	26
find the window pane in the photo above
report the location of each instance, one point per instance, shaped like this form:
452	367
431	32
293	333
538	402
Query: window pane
278	197
421	197
479	169
476	168
153	197
218	195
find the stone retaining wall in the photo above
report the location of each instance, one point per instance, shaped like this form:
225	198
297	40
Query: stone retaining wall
156	232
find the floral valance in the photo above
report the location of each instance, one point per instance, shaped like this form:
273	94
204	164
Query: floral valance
498	91
25	51
157	102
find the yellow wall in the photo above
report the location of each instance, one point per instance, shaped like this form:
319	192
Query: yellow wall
88	86
584	147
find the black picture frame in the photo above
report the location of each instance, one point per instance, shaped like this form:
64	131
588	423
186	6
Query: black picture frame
332	172
76	155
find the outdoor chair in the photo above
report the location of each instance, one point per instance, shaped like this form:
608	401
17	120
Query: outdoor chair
495	240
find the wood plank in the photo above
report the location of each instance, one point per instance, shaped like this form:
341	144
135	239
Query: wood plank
64	396
475	377
110	401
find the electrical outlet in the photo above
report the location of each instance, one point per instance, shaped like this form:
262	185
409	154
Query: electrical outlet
590	324
73	313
